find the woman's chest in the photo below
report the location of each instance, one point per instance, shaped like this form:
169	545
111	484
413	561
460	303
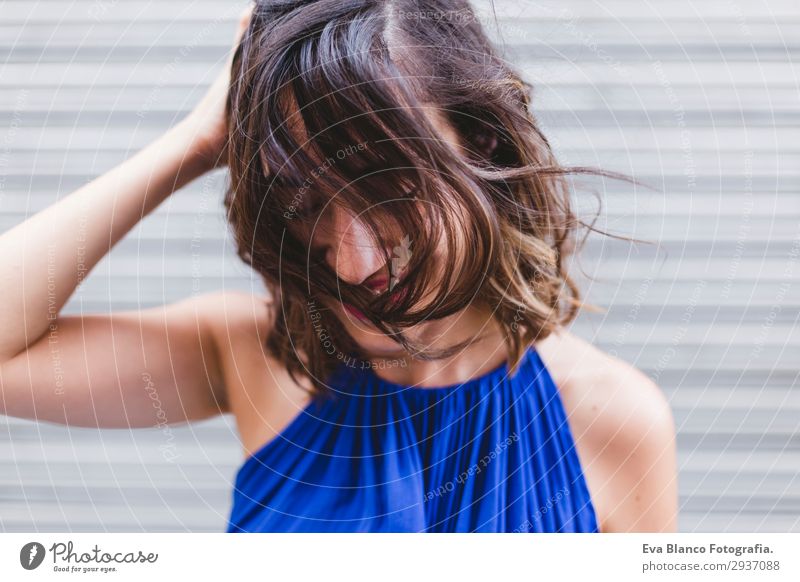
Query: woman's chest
499	460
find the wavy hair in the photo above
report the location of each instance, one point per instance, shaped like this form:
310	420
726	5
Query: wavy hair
326	107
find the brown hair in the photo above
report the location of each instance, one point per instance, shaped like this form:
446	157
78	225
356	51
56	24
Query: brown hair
355	76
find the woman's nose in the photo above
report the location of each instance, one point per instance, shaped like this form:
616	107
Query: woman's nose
350	250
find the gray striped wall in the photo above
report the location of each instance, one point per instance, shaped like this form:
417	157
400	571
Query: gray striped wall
700	100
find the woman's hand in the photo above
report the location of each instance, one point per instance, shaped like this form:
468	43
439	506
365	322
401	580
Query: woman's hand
207	123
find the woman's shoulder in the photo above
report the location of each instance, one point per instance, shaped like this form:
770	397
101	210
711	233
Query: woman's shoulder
624	432
235	310
262	395
606	389
241	323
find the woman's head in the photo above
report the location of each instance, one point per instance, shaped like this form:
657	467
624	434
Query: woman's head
386	174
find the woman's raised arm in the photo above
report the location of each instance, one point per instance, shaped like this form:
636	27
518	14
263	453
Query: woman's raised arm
43	259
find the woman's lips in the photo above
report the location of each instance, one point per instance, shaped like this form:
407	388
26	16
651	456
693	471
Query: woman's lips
377	285
355	312
397	296
394	299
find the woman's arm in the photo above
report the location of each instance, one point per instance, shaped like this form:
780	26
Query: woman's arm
42	259
57	367
95	370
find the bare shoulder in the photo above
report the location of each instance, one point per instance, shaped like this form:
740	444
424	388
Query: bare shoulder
262	395
241	324
624	432
231	313
608	391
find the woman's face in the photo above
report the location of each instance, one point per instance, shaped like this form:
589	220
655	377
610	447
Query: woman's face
344	241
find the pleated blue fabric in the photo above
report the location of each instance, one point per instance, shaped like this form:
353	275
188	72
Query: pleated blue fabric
493	454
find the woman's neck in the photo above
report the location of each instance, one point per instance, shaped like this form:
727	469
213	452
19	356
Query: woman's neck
478	358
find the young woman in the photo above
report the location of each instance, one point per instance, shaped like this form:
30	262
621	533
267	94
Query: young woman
408	369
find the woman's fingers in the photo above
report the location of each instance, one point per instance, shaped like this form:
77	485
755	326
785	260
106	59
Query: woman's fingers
244	21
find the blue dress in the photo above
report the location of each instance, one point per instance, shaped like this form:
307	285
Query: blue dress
493	454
